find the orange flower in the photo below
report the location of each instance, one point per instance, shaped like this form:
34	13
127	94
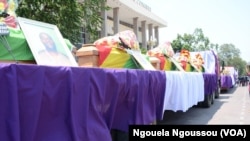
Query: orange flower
199	58
184	55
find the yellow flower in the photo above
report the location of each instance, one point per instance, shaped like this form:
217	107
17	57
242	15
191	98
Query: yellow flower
12	6
1	20
2	6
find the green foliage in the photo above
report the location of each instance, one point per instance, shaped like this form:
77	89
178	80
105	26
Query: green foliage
93	20
68	15
182	42
228	52
200	41
231	56
192	42
214	46
238	63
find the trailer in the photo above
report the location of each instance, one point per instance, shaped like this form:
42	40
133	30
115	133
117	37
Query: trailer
229	77
189	65
207	63
112	94
211	67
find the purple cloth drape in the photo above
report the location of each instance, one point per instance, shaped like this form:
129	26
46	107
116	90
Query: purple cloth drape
226	81
133	106
42	103
210	82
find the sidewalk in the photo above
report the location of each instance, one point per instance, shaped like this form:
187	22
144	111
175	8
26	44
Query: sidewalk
236	108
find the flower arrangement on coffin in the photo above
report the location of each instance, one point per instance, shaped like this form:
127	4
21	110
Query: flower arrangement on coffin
164	52
226	72
8	12
164	49
122	40
190	64
198	62
112	53
184	60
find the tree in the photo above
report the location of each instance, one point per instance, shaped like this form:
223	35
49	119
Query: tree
69	15
200	42
231	57
66	15
92	17
238	64
227	52
214	46
182	42
192	42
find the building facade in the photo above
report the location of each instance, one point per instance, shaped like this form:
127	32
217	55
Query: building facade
131	15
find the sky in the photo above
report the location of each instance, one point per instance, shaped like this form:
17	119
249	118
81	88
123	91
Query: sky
222	21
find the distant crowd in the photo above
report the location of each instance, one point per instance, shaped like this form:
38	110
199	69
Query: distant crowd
243	81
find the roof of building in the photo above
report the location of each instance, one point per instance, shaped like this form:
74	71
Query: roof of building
129	9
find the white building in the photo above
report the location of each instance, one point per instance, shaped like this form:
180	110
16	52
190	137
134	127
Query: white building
131	15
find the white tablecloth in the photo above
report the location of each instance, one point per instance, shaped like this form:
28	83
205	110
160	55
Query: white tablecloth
183	90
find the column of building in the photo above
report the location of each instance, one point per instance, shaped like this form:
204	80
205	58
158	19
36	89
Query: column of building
104	21
135	26
116	20
150	36
144	39
156	34
143	34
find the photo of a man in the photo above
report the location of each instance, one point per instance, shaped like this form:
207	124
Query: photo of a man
50	54
47	43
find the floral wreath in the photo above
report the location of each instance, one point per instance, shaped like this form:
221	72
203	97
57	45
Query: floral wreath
8	12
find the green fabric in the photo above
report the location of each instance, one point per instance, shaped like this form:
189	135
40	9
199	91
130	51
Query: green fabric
19	47
69	44
133	64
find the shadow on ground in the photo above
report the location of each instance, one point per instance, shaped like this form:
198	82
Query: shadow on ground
196	115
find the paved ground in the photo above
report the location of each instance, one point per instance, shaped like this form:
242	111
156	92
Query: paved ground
232	107
235	108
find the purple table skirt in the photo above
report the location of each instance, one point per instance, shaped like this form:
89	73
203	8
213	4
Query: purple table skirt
210	83
41	103
226	81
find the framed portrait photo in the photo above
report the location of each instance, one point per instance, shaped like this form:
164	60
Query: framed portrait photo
46	43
